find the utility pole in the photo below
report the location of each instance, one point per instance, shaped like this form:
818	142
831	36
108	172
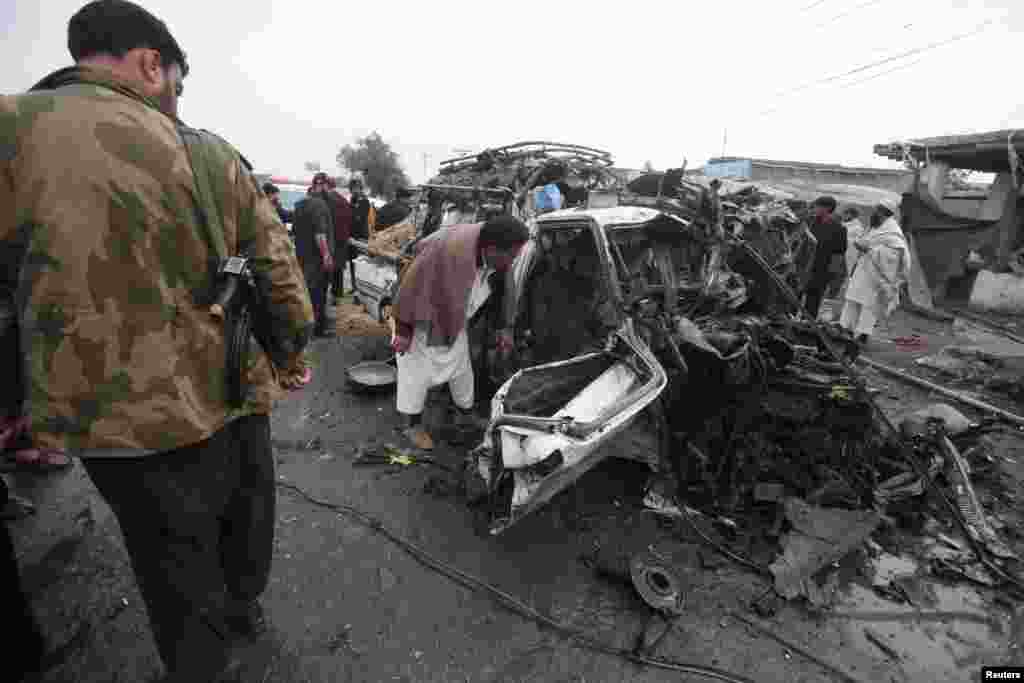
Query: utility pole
725	140
425	176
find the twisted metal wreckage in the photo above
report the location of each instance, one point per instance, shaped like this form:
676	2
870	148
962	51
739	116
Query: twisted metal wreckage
658	319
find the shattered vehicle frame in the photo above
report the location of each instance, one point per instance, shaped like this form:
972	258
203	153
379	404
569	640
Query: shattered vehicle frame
619	314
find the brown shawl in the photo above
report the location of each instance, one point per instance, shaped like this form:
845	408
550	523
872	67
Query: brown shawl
436	287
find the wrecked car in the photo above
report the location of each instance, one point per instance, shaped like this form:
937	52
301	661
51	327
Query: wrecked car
636	327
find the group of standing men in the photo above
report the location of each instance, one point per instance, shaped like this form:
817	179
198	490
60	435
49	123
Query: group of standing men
322	224
867	266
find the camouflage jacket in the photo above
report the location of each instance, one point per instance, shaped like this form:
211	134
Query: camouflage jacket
118	269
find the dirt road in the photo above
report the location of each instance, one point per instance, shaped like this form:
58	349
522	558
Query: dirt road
348	605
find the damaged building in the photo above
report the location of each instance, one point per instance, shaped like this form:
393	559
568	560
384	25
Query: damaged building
960	230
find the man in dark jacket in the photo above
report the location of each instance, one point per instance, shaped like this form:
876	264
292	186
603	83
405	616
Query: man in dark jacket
142	398
363	220
273	193
342	211
831	236
313	227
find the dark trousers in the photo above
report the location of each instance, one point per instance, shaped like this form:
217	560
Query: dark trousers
317	281
11	362
353	254
318	297
198	523
812	299
25	646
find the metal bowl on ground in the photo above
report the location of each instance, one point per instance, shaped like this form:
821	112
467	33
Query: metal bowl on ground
373	374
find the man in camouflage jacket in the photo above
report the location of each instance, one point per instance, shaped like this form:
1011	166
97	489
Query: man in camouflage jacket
125	367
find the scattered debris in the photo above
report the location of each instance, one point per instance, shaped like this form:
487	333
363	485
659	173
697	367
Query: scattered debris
657	583
949	393
388	454
657	628
353	321
765	492
342	640
877	639
820	536
912	342
17	507
958	475
916	423
773	632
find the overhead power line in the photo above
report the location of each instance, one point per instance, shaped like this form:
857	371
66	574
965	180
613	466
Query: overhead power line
872	77
852	10
812	5
909	53
851	84
887	60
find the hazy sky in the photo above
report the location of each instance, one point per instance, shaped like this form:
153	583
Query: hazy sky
289	82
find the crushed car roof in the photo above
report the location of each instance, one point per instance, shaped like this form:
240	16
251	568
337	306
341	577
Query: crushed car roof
615	215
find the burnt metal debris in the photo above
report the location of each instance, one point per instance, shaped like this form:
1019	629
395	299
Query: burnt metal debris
664	325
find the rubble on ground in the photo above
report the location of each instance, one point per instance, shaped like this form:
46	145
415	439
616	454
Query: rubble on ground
982	358
353	321
761	424
761	414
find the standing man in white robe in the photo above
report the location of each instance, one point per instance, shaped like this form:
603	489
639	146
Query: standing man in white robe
879	274
444	287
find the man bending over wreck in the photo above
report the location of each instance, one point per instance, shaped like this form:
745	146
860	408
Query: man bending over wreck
446	284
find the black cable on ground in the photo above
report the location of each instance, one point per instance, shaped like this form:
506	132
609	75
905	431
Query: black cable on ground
892	615
770	633
508	601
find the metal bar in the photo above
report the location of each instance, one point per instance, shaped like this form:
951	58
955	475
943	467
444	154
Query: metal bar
996	327
949	393
545	147
469	188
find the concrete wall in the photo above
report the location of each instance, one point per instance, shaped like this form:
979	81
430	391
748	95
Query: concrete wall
990	208
895	182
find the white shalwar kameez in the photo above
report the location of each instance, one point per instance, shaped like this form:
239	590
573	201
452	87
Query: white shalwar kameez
873	290
424	366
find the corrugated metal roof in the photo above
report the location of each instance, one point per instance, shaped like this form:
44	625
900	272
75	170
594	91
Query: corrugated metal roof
996	136
987	151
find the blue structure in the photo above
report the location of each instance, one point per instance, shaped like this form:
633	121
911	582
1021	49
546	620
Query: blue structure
729	168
